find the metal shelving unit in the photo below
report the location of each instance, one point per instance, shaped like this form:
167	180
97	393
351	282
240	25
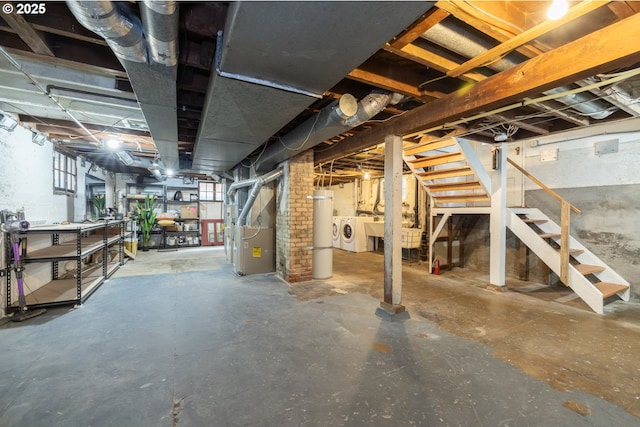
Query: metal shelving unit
188	206
100	243
173	237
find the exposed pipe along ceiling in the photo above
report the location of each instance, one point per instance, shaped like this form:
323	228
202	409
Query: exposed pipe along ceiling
203	88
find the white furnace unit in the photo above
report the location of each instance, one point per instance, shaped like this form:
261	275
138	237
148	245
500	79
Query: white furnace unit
253	250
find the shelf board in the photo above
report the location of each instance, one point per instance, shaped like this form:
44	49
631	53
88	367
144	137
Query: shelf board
112	267
178	233
66	251
113	239
62	291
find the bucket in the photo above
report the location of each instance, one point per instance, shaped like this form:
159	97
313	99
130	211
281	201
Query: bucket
131	246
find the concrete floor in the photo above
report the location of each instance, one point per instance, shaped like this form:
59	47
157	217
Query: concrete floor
176	339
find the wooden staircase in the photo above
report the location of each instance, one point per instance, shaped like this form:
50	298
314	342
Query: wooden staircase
458	183
589	277
446	174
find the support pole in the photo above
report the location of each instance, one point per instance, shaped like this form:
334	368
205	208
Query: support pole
393	225
498	218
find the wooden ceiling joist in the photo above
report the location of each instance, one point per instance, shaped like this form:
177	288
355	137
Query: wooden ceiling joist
566	64
430	19
527	36
502	26
31	37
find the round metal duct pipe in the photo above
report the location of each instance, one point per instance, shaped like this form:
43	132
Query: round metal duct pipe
458	39
338	117
121	30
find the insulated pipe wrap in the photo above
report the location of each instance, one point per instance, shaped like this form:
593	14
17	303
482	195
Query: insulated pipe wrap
457	39
121	30
160	20
332	120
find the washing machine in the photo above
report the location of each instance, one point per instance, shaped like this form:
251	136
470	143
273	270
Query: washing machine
337	232
354	236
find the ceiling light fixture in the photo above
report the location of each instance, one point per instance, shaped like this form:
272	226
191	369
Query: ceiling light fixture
113	144
557	9
367	175
38	138
7	122
125	158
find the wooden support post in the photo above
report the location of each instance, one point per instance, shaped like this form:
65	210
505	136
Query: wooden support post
393	224
565	242
450	244
497	221
524	261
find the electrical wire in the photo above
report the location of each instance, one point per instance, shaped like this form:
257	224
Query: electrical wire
619	77
44	91
264	147
305	140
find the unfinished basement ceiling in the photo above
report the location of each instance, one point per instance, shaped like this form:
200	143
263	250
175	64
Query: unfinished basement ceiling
249	73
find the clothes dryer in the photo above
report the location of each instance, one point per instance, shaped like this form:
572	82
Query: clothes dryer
354	236
337	232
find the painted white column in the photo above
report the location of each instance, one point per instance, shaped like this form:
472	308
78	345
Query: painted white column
393	220
498	219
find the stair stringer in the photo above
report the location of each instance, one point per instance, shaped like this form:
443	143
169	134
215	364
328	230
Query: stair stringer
577	282
474	162
586	257
470	159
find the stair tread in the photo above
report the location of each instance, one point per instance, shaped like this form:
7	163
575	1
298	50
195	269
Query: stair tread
453	186
463	198
446	173
535	221
435	156
438	159
610	289
573	251
549	235
430	146
586	269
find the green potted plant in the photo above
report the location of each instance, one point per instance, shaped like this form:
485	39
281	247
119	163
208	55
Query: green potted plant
100	203
146	217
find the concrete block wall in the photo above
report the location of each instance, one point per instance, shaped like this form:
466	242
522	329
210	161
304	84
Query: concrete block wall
294	219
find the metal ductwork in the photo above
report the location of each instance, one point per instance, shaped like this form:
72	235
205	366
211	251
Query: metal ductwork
256	184
121	30
457	38
331	121
150	64
264	77
160	19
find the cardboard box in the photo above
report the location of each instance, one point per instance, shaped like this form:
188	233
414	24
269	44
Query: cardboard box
188	212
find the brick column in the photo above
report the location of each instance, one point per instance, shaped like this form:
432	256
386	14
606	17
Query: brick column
294	219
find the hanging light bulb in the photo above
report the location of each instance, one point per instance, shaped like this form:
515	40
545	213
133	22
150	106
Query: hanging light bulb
367	175
557	9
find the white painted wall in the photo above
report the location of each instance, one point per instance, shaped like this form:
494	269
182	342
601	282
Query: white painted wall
361	195
26	181
577	163
344	199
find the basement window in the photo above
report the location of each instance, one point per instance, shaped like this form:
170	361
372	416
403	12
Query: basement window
210	191
65	173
